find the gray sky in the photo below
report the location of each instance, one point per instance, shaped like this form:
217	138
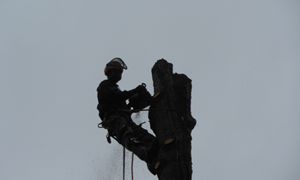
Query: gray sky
243	58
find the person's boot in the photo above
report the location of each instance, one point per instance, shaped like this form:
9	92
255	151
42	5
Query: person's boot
152	152
151	168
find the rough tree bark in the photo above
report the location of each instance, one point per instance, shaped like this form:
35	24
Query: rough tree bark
170	117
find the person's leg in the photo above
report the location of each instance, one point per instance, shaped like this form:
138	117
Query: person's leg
142	134
126	136
147	139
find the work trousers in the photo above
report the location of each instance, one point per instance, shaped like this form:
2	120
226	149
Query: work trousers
132	136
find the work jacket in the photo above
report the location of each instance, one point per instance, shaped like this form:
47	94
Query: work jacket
111	99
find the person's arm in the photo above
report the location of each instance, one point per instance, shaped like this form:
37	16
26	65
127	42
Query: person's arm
114	94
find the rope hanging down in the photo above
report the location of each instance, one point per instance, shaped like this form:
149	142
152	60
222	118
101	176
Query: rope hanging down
132	166
132	158
123	163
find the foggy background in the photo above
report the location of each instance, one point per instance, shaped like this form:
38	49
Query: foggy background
243	58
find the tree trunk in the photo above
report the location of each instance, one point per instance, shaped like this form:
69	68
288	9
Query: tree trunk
170	117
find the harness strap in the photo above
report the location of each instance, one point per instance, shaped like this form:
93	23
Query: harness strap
109	133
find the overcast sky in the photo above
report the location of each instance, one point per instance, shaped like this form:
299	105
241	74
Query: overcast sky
243	58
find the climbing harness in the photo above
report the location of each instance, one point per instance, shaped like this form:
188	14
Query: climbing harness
109	133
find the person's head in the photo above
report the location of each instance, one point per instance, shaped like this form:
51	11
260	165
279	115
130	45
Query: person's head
114	69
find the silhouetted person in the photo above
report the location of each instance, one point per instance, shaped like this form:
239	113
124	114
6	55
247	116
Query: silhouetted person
116	116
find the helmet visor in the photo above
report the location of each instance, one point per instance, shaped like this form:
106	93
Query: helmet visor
120	62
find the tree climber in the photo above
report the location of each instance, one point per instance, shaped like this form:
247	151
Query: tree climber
116	116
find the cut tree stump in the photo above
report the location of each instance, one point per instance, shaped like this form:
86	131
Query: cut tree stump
170	117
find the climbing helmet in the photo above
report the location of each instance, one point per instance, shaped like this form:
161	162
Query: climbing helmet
116	63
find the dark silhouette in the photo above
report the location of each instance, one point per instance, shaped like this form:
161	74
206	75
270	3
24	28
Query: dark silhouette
115	114
169	153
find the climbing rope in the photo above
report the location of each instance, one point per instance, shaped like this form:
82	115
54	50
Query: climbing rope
132	166
132	158
123	163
